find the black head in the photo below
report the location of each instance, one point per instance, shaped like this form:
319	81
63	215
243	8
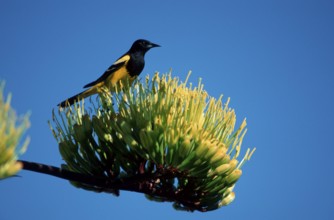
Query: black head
142	45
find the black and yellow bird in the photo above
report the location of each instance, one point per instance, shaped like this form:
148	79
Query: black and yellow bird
130	65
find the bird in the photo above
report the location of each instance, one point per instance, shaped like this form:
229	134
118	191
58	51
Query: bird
128	66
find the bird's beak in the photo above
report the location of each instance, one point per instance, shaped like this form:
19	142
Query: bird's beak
154	45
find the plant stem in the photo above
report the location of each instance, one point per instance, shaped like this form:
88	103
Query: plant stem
141	183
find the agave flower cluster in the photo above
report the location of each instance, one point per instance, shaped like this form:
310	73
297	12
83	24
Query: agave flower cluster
11	131
164	127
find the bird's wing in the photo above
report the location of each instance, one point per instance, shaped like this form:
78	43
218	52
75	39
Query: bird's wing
114	67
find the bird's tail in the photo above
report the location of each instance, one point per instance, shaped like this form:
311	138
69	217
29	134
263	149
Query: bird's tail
76	98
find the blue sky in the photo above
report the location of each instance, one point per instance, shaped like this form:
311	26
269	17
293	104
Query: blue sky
275	59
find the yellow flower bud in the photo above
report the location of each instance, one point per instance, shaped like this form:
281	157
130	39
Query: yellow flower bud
227	200
233	177
223	169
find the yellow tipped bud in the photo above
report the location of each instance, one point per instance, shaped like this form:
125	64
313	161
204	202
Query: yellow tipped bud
218	156
201	150
185	146
223	169
226	159
212	150
227	200
233	177
227	191
233	163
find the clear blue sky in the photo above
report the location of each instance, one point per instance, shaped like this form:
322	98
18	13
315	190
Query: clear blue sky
275	59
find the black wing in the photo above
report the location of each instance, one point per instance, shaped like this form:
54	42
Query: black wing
108	72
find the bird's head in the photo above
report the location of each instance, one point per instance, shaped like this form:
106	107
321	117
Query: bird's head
142	45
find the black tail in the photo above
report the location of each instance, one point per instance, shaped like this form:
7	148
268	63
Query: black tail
70	101
76	98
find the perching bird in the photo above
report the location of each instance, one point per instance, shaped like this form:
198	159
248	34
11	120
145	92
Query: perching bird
129	66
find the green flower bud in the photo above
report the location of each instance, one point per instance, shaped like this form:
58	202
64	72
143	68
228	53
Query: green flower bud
233	177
